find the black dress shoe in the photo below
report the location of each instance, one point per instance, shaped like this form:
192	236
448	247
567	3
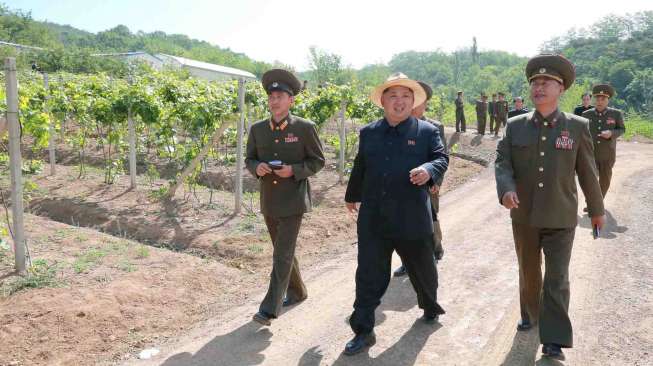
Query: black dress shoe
262	318
360	343
523	325
289	302
439	255
430	318
553	350
401	271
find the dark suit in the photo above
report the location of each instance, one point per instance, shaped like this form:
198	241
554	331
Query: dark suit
394	213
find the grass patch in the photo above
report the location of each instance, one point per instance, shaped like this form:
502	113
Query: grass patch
638	125
142	252
41	274
88	259
255	248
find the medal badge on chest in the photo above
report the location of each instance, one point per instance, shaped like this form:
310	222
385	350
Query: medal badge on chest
564	142
291	138
411	142
611	121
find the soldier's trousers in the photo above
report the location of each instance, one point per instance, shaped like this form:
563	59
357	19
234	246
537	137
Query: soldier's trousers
605	174
373	275
492	123
285	276
499	122
546	302
460	121
482	120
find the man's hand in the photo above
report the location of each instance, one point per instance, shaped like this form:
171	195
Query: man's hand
434	189
263	169
352	207
606	134
598	221
419	176
510	200
284	172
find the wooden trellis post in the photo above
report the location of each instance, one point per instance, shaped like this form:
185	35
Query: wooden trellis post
15	162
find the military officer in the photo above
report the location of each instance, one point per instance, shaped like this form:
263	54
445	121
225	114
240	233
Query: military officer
518	109
491	110
537	161
585	105
481	113
460	113
418	112
606	125
398	158
282	152
501	112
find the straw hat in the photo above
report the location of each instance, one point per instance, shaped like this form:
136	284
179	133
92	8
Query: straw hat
399	79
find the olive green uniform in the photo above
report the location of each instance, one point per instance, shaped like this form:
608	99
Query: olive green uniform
295	142
500	114
435	197
538	159
605	150
460	115
491	109
481	115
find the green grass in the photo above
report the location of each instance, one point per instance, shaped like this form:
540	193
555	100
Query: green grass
88	259
638	125
41	274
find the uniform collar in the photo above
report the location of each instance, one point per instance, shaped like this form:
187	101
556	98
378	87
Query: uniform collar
401	128
551	121
281	125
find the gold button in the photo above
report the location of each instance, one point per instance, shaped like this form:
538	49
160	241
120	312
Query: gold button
543	138
540	185
276	141
541	153
277	128
541	169
598	142
275	154
274	182
546	123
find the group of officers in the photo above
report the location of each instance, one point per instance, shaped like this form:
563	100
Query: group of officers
497	110
394	186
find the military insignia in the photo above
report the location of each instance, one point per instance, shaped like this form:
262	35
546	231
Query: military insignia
564	142
411	142
542	70
275	84
291	138
611	121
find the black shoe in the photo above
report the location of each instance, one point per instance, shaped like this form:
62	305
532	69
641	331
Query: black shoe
401	271
289	302
553	350
359	343
262	318
439	255
523	325
430	318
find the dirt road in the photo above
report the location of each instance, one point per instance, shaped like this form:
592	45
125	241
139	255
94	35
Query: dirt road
611	304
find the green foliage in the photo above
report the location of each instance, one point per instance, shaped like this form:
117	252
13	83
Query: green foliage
638	125
41	274
88	259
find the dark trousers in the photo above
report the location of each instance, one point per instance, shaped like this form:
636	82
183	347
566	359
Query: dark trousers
373	276
492	123
460	121
499	121
482	120
548	300
285	276
605	174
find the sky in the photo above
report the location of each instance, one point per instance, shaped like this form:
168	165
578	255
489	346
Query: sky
360	31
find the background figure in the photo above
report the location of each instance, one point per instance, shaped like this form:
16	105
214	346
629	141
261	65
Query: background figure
492	111
584	106
501	113
606	125
460	113
481	113
518	108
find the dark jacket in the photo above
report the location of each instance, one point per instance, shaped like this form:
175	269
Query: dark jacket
296	144
391	206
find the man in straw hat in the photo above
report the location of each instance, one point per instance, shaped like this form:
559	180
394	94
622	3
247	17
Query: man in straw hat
537	161
606	125
282	152
438	251
399	157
